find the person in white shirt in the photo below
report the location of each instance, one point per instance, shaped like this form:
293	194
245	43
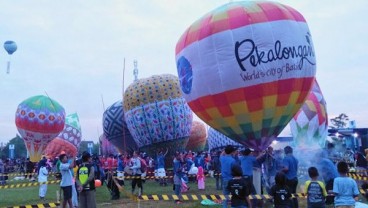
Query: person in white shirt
42	178
135	166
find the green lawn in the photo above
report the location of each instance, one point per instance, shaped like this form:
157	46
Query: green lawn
28	196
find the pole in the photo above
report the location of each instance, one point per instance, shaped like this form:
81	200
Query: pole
123	106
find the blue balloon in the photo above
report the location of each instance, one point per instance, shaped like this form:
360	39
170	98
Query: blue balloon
10	46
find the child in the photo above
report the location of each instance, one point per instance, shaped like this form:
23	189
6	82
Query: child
315	190
345	189
42	179
239	189
280	192
200	178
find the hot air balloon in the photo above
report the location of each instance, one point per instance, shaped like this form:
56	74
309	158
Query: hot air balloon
115	128
39	119
310	124
10	47
72	130
58	145
107	148
198	137
218	141
157	115
246	68
68	140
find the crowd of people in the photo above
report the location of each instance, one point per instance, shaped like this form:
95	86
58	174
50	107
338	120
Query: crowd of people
237	172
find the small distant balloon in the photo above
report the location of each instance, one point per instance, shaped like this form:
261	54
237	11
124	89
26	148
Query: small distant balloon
10	47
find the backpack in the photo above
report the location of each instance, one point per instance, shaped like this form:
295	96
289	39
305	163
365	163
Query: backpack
143	165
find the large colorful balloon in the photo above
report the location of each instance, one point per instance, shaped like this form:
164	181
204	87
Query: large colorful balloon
246	68
309	126
115	128
39	120
58	145
218	141
157	115
198	137
107	148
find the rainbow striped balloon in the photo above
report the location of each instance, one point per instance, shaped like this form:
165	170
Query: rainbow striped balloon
246	68
309	126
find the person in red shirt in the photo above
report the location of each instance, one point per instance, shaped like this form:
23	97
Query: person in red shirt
102	162
110	162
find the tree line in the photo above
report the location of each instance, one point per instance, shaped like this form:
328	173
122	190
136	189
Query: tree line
20	149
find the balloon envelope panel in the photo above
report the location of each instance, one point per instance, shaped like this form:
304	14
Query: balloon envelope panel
198	137
218	141
39	120
309	126
72	130
115	128
156	113
246	68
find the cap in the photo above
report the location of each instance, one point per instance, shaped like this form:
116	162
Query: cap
247	151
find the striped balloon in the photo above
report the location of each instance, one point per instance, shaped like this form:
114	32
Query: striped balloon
309	126
246	68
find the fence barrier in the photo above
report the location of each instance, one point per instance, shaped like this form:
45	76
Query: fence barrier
23	185
55	204
195	197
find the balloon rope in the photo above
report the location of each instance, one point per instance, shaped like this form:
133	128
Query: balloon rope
8	68
123	108
52	103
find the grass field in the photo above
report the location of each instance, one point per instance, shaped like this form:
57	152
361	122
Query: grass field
29	196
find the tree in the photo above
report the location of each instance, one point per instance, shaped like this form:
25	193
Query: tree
19	148
339	121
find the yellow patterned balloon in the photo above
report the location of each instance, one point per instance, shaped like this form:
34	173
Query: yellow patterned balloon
151	89
157	115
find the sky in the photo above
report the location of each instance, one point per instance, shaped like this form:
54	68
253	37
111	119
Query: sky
74	52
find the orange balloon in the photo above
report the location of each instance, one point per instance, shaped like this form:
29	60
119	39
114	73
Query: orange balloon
198	137
58	146
97	183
